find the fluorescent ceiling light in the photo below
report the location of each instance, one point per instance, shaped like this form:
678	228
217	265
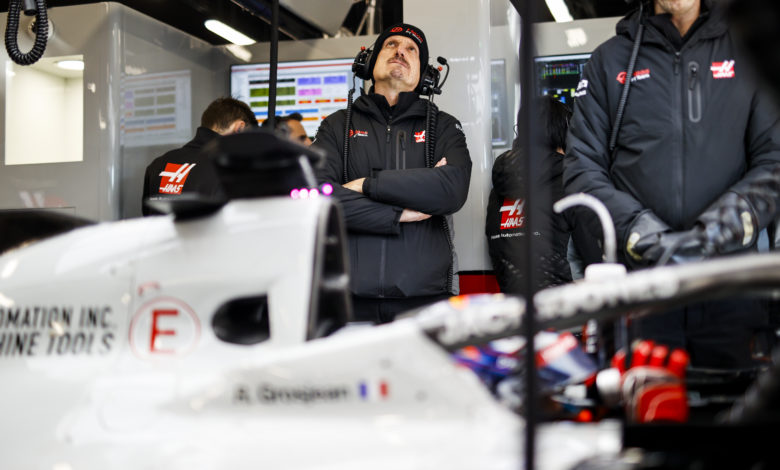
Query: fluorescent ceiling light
559	10
576	37
71	64
241	52
220	28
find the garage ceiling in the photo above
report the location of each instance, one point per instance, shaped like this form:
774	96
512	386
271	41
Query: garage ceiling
252	17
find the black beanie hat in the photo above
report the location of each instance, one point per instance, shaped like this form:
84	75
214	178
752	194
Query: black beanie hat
401	29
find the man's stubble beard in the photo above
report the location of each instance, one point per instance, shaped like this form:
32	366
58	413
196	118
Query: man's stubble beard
675	7
397	73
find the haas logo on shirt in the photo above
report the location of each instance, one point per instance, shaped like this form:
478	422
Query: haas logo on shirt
723	69
512	214
419	137
174	176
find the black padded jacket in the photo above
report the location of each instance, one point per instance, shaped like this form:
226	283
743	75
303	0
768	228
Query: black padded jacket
506	223
186	170
695	126
390	259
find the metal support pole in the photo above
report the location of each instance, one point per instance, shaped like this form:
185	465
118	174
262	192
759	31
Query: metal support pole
274	63
528	130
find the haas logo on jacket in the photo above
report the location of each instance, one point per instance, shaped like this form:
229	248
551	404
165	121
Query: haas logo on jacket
174	177
512	214
356	133
419	137
638	75
723	69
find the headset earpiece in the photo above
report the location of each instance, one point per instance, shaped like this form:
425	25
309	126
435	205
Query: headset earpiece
360	67
429	81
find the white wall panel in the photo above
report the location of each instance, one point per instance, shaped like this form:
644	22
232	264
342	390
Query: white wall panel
42	104
461	34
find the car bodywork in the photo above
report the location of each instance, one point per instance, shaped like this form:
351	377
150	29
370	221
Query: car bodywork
220	337
113	358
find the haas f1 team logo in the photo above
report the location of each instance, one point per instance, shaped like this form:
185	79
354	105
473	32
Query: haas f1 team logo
723	69
414	33
512	214
174	177
643	74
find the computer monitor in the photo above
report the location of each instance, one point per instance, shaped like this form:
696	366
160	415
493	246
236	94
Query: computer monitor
313	88
501	122
559	75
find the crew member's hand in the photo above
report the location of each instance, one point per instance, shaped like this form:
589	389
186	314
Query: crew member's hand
441	162
355	185
409	215
729	224
650	239
679	247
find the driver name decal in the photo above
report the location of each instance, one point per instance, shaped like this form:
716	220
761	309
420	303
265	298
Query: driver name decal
269	394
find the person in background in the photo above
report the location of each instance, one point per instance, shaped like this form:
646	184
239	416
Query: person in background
506	221
691	173
396	202
291	127
187	169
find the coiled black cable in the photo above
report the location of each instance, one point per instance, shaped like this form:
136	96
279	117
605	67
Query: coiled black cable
431	121
347	127
627	85
12	29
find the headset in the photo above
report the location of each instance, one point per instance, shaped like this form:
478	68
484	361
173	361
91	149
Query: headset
360	65
430	76
429	86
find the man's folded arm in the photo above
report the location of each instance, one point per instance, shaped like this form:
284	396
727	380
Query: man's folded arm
360	212
436	191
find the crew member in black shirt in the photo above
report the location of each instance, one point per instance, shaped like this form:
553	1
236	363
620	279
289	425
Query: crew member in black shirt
187	169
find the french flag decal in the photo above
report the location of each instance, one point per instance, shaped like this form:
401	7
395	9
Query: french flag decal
373	390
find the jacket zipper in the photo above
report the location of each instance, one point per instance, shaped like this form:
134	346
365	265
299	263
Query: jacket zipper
677	63
694	93
383	248
678	124
400	163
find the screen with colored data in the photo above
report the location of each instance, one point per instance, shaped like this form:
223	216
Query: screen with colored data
313	88
559	75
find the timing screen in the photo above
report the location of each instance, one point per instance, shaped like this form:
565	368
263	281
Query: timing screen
559	75
313	88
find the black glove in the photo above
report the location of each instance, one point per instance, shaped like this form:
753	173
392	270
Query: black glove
733	221
650	240
730	224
